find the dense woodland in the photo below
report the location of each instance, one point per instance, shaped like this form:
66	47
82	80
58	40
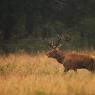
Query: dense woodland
29	24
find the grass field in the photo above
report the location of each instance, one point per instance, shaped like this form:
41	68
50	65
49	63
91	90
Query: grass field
24	74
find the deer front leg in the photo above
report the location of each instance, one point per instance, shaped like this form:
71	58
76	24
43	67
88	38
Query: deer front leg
66	70
75	70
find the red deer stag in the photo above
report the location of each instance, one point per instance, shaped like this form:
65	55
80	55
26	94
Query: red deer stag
71	61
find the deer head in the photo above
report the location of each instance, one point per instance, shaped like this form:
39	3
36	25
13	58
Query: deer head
54	45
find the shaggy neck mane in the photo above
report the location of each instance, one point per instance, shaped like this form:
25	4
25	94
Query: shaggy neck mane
60	56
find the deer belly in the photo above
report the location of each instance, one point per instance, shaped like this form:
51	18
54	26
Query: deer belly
74	65
78	64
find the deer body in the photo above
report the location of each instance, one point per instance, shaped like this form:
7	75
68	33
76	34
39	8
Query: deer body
78	61
73	61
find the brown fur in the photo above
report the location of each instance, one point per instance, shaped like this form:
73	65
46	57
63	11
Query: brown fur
73	61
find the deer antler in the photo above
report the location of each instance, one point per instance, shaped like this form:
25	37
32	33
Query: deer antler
55	44
68	37
51	43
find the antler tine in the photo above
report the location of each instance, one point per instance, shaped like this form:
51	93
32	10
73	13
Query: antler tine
68	37
51	44
58	41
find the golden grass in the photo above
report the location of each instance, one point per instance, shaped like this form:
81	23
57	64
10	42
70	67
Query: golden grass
24	74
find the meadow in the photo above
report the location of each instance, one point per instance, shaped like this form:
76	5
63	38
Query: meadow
36	74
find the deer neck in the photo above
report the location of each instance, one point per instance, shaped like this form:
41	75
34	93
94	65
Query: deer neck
60	56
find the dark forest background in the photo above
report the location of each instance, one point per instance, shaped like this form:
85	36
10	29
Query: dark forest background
29	24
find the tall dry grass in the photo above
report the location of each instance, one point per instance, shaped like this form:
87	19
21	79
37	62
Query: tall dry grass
24	74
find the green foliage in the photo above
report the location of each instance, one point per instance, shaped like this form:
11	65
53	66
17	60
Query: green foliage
27	24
